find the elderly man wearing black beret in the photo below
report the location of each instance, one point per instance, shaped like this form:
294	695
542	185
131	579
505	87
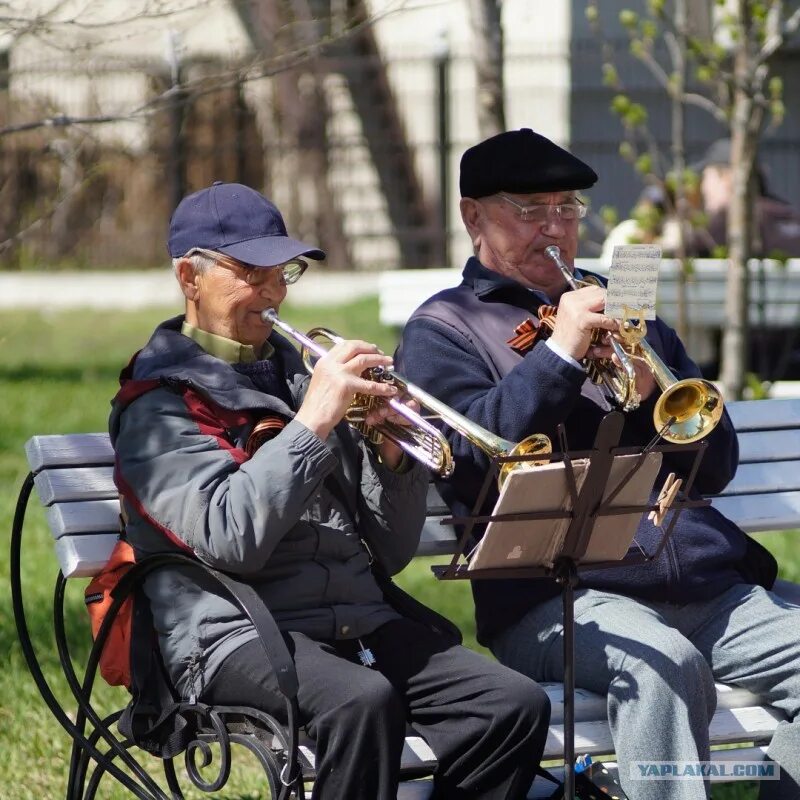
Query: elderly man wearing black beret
654	638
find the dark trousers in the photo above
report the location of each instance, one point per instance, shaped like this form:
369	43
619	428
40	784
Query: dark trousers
486	723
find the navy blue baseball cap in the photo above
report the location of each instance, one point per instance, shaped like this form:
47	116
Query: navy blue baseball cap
235	220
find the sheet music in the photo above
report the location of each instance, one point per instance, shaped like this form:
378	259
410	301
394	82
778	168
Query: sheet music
633	281
538	542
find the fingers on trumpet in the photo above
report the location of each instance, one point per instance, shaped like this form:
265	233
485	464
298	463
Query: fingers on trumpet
601	348
384	412
364	363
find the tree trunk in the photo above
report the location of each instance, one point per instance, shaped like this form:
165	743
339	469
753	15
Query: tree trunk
679	162
487	38
746	124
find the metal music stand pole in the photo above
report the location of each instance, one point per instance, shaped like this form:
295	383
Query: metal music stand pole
566	574
588	506
565	570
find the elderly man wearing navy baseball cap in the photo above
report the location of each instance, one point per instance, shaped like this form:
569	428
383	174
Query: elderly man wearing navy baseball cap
651	638
230	453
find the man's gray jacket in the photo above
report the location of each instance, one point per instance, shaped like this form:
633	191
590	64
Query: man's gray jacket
298	520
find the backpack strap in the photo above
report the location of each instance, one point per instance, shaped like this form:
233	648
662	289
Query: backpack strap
155	719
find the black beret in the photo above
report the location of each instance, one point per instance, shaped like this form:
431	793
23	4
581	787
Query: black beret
521	162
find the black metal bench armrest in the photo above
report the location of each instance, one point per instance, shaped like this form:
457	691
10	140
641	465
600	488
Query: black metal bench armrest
251	606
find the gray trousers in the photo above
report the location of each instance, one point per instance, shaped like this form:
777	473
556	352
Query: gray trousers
657	662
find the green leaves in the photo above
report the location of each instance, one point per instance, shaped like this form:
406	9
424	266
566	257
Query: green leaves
644	164
628	19
609	215
631	114
620	104
610	76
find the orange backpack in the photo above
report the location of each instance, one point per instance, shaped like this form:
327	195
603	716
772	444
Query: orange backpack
115	660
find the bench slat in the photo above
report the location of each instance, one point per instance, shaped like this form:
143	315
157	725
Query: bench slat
68	485
772	413
434	501
775	476
762	512
416	753
781	445
752	513
90	516
68	449
590	706
84	556
436	539
415	790
728	726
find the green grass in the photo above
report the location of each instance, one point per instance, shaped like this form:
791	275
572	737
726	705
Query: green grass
57	374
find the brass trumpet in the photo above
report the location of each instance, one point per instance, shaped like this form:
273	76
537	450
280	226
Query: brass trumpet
686	411
421	440
620	381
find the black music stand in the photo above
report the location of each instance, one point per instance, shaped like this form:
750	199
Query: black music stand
587	505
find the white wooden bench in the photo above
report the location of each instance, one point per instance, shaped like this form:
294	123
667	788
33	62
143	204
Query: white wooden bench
73	477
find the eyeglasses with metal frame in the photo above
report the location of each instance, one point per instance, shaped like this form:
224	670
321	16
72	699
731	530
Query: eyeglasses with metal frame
542	212
291	270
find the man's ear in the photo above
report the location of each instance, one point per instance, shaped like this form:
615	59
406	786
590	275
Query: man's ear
187	278
470	214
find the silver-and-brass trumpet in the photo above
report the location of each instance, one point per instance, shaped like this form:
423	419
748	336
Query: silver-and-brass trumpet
686	411
420	439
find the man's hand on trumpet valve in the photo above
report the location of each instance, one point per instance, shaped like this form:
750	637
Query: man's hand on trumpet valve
390	453
337	378
580	313
645	382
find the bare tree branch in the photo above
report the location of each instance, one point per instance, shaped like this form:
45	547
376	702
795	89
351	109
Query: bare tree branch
656	70
45	215
707	104
774	42
257	68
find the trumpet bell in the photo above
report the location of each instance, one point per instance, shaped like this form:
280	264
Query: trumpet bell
536	444
690	409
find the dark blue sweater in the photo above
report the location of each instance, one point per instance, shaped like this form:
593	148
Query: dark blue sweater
454	346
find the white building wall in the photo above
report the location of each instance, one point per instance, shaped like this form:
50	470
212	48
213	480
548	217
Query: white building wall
537	36
90	57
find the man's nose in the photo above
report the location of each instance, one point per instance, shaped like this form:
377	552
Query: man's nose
273	286
553	223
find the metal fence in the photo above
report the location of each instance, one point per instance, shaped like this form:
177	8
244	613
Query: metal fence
101	195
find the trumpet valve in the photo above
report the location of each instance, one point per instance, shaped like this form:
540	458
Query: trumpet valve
356	415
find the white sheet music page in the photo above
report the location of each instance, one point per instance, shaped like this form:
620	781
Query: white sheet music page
633	282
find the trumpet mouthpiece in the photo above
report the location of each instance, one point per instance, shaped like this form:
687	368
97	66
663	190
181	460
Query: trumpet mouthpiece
552	251
269	315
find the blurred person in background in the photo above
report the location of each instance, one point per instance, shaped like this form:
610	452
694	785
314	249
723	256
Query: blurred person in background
654	220
778	222
774	352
